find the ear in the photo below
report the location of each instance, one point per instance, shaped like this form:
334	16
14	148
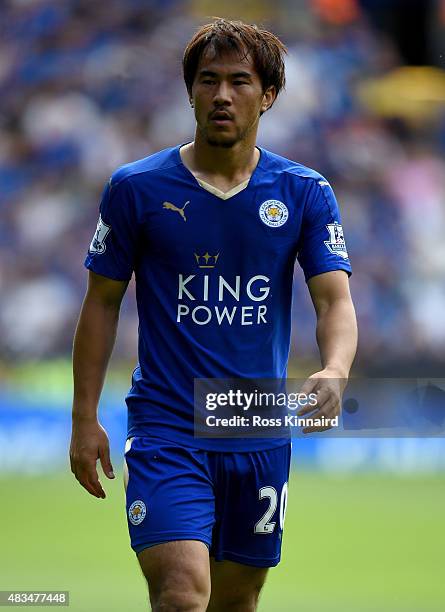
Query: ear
269	97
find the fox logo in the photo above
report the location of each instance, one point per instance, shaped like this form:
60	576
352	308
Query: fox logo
170	206
137	512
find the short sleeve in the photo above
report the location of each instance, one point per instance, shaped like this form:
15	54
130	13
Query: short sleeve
321	246
112	251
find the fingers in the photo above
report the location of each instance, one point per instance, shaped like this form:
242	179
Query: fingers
324	396
327	406
329	410
105	461
86	474
89	442
328	392
317	428
309	385
89	479
309	388
310	407
90	482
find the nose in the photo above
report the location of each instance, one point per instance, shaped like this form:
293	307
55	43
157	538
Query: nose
222	95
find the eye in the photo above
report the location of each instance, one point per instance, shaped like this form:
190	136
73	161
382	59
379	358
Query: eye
240	83
208	81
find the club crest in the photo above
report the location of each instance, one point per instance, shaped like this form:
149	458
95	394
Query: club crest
273	213
137	512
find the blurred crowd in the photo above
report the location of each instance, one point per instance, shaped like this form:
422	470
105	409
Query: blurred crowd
86	86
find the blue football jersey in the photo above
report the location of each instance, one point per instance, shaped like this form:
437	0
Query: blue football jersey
213	278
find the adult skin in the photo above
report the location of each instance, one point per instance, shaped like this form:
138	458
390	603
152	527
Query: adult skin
228	100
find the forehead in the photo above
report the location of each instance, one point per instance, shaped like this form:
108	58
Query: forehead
226	62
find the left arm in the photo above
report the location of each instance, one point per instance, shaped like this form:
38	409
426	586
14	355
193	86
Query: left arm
336	322
337	342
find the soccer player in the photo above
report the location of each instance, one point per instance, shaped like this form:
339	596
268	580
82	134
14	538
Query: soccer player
211	229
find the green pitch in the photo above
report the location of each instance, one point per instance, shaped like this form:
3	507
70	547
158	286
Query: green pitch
368	543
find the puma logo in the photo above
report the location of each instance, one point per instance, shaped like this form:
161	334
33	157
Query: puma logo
170	206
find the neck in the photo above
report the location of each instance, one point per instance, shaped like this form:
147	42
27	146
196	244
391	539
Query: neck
233	164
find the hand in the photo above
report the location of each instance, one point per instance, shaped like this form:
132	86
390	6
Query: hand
328	387
89	442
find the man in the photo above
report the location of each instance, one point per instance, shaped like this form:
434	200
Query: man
211	230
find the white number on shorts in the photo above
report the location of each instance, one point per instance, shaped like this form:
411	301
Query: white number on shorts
263	525
283	505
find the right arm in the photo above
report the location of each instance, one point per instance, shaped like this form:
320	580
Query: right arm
93	344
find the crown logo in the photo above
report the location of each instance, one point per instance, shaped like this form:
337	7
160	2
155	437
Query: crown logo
206	260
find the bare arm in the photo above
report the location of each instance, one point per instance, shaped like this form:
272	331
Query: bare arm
336	322
337	341
93	344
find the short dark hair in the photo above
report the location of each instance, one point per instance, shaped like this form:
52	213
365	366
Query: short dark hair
222	35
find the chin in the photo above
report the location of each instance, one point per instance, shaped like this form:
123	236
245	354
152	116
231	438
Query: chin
225	143
216	138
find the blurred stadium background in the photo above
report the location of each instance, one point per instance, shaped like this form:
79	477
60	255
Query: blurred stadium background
86	86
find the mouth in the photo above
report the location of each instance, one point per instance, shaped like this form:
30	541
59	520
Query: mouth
220	118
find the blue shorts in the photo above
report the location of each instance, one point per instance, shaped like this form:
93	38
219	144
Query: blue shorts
233	502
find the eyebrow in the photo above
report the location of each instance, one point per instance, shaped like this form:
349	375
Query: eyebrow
210	73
